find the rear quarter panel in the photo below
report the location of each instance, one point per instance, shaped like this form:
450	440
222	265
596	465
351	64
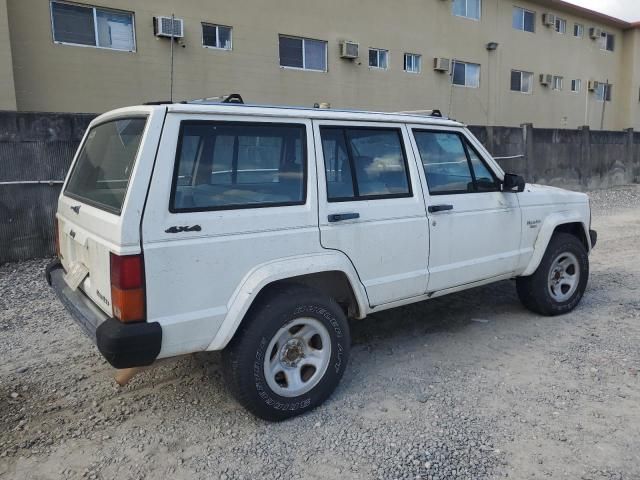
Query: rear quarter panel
91	234
191	277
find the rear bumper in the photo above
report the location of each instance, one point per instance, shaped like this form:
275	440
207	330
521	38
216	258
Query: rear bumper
124	345
593	236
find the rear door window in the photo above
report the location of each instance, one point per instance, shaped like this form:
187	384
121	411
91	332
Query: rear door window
228	165
102	172
363	163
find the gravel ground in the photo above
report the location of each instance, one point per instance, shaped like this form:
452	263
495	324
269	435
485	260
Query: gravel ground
468	386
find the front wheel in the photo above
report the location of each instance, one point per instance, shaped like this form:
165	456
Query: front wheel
289	355
559	282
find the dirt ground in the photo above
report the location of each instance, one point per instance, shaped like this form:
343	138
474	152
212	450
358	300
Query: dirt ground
466	386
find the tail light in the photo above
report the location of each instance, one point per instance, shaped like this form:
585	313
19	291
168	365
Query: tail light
56	240
127	287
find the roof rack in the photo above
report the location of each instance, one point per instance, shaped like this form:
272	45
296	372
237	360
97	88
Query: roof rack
429	113
231	98
159	102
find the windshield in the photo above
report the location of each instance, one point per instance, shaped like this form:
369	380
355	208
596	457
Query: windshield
101	174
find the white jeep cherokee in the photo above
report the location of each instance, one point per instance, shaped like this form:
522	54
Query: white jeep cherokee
259	230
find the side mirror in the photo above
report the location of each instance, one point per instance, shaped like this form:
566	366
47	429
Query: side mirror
512	183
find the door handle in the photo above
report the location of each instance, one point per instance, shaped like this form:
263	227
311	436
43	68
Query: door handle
339	217
439	208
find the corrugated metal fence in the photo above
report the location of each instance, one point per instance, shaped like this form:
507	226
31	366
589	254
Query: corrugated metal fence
34	148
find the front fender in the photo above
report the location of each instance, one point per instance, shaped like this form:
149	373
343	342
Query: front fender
270	272
546	232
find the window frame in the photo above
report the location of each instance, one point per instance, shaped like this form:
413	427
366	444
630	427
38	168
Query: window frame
354	177
466	143
217	25
524	11
176	167
606	92
303	68
522	72
378	50
560	21
94	10
416	56
453	64
576	82
580	27
560	81
604	41
466	5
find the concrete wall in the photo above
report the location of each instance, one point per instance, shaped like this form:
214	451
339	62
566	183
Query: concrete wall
40	146
33	146
63	78
7	86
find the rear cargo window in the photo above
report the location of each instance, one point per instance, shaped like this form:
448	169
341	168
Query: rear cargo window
228	165
101	174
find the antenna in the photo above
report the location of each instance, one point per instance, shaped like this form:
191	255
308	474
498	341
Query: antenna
172	31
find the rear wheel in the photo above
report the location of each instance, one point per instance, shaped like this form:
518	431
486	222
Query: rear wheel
289	354
559	282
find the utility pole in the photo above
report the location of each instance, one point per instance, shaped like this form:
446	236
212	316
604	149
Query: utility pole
605	93
172	31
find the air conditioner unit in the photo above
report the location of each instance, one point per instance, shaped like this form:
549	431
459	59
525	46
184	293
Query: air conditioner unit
350	49
546	79
441	64
595	32
548	19
168	27
593	85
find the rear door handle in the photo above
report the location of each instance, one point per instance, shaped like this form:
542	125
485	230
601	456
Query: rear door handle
339	217
439	208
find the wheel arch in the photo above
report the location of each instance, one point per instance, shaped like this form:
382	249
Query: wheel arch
330	273
566	222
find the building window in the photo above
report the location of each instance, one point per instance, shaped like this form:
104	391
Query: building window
576	85
467	8
607	41
92	27
412	63
524	20
466	74
603	92
216	36
521	81
561	25
557	82
378	58
578	30
304	53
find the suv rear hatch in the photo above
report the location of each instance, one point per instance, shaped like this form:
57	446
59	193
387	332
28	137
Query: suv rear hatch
95	200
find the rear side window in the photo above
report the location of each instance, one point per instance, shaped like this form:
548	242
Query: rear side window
227	165
451	165
101	174
364	163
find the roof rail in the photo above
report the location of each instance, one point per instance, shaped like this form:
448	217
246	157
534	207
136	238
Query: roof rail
231	98
159	102
429	113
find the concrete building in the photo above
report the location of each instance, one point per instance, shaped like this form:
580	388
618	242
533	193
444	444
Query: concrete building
504	62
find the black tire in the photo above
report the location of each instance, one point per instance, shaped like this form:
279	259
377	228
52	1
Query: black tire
243	359
533	290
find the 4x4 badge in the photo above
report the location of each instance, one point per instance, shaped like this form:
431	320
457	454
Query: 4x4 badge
195	228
